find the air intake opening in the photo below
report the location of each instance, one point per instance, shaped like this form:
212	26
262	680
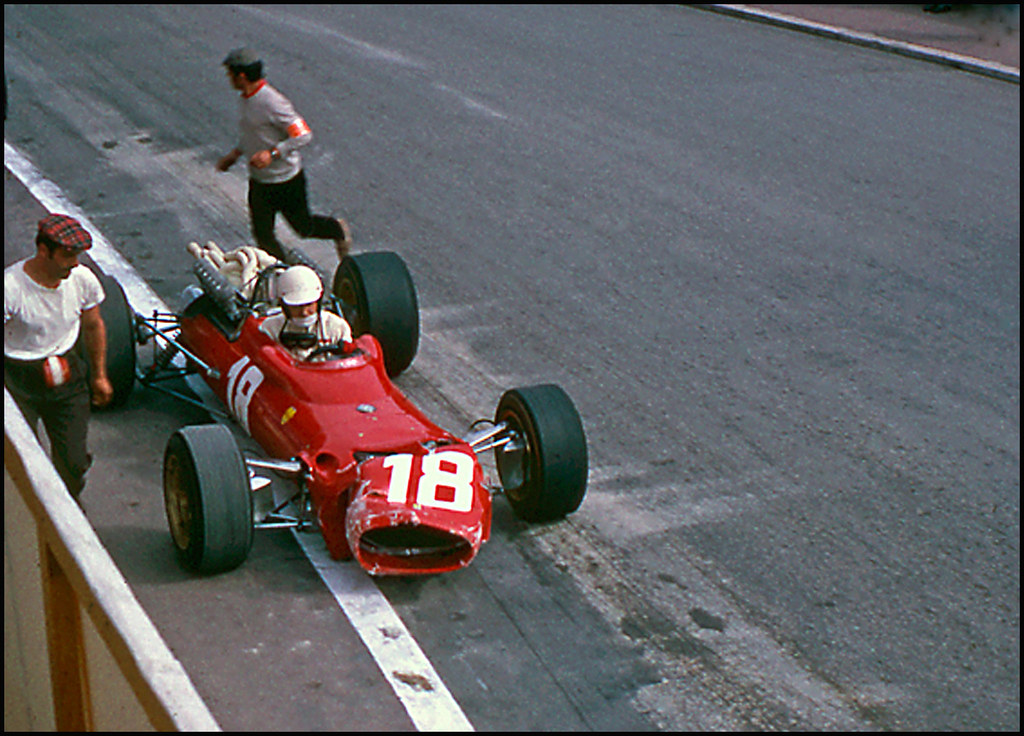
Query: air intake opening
411	541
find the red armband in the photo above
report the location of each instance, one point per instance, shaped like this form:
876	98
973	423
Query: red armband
298	128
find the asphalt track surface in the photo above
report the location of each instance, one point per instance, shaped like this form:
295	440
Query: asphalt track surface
780	277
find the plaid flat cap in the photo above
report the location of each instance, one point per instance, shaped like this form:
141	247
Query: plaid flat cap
65	232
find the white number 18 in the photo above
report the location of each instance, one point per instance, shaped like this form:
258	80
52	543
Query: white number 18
449	470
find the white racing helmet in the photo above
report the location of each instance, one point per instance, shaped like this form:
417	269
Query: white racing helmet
299	285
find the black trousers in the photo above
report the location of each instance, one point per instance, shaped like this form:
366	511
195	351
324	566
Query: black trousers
64	410
291	200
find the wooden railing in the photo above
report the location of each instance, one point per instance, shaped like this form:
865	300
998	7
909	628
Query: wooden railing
108	670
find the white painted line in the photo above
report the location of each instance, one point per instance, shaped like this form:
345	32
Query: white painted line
425	697
374	52
369	50
140	295
470	103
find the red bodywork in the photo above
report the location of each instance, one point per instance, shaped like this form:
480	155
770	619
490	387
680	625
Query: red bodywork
388	486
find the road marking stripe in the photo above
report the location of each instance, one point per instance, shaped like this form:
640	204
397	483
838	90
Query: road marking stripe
427	700
372	51
141	296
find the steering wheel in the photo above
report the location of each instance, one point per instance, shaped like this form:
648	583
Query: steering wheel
340	349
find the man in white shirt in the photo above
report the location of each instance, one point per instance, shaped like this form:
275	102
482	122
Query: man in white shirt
302	326
270	136
49	299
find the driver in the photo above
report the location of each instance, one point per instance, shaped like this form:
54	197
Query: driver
302	325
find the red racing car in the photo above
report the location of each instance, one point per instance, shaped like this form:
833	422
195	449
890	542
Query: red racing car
381	481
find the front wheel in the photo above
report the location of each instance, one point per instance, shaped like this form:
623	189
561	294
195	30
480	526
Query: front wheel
543	468
208	499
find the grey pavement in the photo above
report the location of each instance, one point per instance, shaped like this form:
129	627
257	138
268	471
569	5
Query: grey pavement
814	527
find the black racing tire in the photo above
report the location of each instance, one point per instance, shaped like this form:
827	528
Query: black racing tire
119	320
377	296
208	499
544	470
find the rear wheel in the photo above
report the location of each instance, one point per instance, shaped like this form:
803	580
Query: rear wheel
543	469
378	297
119	320
207	499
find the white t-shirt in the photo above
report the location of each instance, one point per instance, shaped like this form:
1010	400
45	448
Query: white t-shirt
39	321
332	329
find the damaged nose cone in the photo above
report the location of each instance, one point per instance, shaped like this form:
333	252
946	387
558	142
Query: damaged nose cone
418	513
